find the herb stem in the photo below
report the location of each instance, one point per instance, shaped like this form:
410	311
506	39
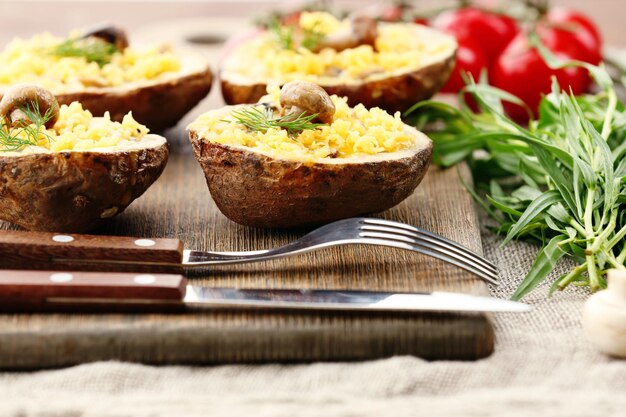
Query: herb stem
578	227
610	228
594	280
608	117
622	256
588	216
613	260
617	237
571	276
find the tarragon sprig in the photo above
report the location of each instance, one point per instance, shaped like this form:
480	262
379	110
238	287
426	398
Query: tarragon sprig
560	181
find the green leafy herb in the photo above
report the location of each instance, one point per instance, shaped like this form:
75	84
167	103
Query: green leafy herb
282	34
311	38
560	181
292	37
15	139
261	119
93	50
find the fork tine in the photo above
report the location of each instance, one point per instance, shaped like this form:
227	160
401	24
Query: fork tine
427	248
466	253
408	230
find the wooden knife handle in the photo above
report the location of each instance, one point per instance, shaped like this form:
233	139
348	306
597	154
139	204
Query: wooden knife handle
37	250
38	287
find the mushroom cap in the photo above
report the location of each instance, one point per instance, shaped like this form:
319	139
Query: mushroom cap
364	29
109	33
309	98
22	95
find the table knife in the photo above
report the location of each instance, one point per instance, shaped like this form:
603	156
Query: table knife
50	290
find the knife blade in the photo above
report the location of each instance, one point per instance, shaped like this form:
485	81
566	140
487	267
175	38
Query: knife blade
24	290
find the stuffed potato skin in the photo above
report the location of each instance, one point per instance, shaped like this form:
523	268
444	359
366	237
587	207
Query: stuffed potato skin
75	191
158	105
257	190
394	93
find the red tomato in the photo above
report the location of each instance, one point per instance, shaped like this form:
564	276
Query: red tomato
572	36
520	70
491	31
470	58
581	22
392	14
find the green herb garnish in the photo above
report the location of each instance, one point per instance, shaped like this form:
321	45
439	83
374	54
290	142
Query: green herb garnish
292	37
311	38
282	34
16	139
260	120
560	181
93	50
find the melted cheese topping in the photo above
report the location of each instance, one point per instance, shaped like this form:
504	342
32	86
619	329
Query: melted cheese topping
399	47
77	129
33	61
354	132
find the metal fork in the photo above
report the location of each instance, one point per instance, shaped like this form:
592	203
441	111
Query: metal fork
361	230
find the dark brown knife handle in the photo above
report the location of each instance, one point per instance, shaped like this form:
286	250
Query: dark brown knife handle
61	251
38	287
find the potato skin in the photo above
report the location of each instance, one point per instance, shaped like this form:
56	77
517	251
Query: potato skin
256	190
395	93
75	191
157	106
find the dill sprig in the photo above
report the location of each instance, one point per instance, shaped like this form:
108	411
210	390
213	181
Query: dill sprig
27	134
282	34
311	38
93	50
286	36
258	120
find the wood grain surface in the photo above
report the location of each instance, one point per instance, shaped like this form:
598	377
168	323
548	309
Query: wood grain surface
179	206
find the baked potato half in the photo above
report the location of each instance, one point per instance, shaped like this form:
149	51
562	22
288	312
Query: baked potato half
391	66
99	69
72	175
360	162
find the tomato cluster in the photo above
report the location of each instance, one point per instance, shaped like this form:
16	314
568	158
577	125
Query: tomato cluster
498	43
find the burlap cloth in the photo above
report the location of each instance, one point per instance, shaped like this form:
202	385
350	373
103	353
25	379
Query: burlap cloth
542	366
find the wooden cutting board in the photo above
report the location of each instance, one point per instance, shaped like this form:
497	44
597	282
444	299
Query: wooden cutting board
179	205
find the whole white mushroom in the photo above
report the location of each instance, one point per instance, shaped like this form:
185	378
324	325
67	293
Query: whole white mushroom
604	316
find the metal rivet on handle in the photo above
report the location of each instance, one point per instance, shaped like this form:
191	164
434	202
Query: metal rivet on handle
62	238
61	277
145	279
145	242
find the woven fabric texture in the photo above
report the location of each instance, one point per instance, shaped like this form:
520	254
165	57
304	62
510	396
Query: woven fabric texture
543	366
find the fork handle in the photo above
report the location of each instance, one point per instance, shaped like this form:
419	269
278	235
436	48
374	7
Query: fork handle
56	251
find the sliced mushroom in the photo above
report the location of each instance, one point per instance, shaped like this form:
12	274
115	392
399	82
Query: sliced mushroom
363	31
111	34
28	97
301	97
